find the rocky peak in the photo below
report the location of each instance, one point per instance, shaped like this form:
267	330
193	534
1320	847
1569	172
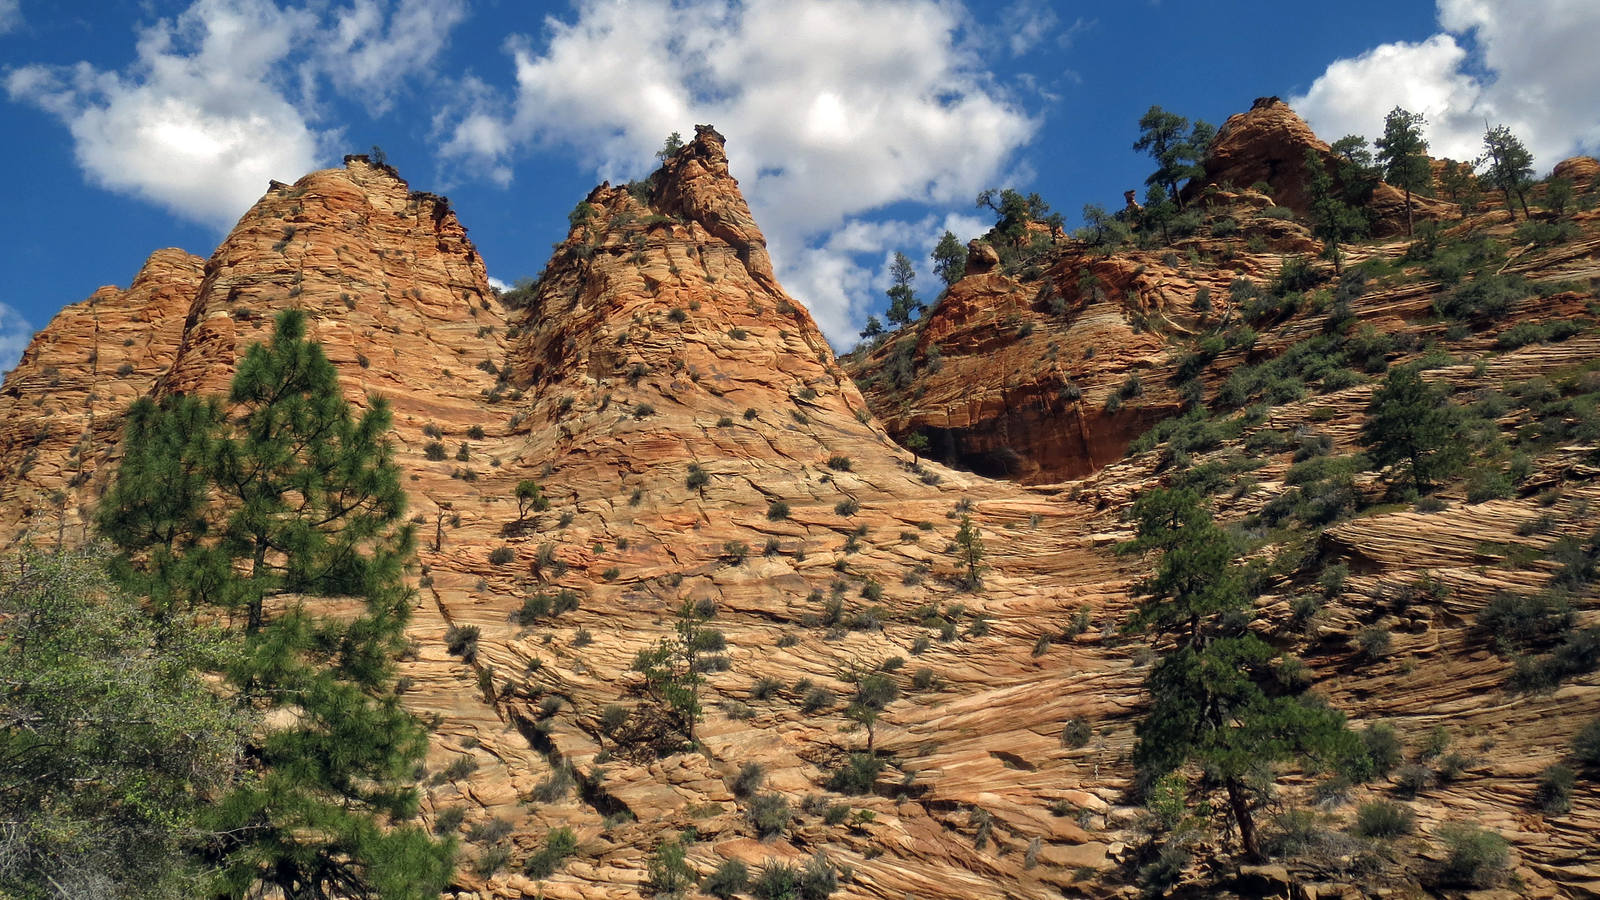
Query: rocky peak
1268	143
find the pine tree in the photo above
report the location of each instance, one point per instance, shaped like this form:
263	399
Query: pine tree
530	498
1510	166
1214	698
873	329
969	551
903	305
1333	219
288	498
917	443
1411	425
671	671
1403	153
1177	148
949	259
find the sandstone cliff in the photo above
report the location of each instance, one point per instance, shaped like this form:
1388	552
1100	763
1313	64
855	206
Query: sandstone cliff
698	441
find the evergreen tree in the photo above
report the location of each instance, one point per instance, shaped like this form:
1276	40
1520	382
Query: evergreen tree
949	259
1460	181
917	443
969	551
1102	230
1403	153
530	498
1411	425
671	145
903	305
299	500
1214	699
1177	148
1159	211
671	671
1332	218
1015	211
873	329
1510	166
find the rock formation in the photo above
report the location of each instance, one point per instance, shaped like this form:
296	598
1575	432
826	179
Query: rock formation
698	441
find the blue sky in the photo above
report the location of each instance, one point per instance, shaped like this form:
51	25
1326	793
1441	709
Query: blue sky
857	127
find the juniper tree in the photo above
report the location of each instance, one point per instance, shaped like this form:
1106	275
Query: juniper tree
1412	426
949	259
1215	700
671	671
1403	152
873	329
530	498
917	443
288	498
1510	166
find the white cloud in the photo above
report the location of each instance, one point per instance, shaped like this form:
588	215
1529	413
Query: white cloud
15	332
832	108
10	15
1530	66
369	58
218	100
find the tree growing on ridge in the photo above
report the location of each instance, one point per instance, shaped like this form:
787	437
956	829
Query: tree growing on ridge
1333	219
969	552
949	259
903	305
1215	699
1403	152
671	671
288	497
1510	166
1177	147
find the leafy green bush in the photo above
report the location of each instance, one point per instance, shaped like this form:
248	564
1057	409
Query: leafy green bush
1487	296
559	844
769	814
857	774
1474	857
1384	819
1554	795
729	879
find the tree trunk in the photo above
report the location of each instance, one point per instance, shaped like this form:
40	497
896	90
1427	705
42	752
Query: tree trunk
1239	804
253	622
1509	208
1410	231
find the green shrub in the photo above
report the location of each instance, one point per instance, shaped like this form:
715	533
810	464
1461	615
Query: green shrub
769	814
778	511
462	641
1586	745
501	555
1384	819
857	774
1554	795
729	879
434	451
1383	747
1075	733
839	463
847	507
1516	621
1487	296
777	881
1474	857
749	779
559	844
667	873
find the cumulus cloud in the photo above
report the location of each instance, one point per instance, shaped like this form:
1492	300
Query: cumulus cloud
832	108
1530	66
218	99
15	332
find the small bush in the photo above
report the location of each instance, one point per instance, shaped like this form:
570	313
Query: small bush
1474	857
839	463
769	814
499	556
559	844
847	507
1586	745
1384	819
778	511
857	775
749	780
1075	733
434	451
777	881
730	878
1383	747
462	641
1374	641
667	874
818	698
1554	796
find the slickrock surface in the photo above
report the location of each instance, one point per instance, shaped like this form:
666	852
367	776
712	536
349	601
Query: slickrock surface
61	407
657	339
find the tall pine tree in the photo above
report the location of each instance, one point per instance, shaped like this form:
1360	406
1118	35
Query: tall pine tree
1403	152
1215	700
1510	166
260	514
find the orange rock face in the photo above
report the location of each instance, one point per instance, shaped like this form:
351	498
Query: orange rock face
698	441
1268	145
